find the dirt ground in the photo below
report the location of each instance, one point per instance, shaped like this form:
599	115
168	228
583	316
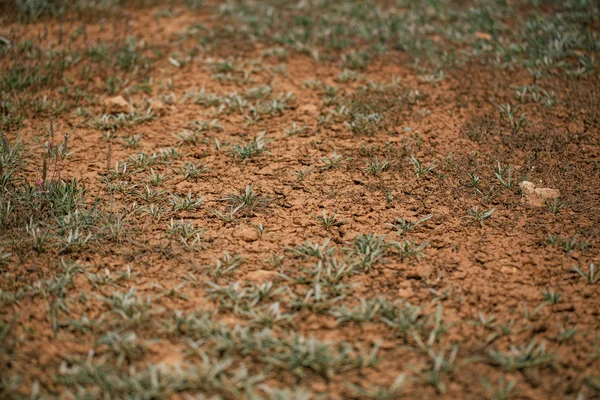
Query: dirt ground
384	201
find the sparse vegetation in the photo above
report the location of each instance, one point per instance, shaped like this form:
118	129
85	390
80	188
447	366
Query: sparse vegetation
299	200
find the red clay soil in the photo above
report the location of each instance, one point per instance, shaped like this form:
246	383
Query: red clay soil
469	271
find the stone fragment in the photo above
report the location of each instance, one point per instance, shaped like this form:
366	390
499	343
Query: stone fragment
247	234
537	196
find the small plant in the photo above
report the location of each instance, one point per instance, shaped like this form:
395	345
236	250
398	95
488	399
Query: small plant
218	145
246	200
156	179
565	334
389	197
154	210
132	142
365	124
279	52
365	311
168	154
474	180
551	297
348	75
74	241
568	245
191	171
380	392
486	196
509	111
269	316
187	137
479	215
294	129
440	365
111	123
332	161
301	174
308	249
4	257
120	171
329	221
222	66
554	205
420	169
403	225
185	203
39	238
114	227
592	275
149	194
357	60
183	229
522	357
204	126
275	260
434	77
143	161
368	251
205	99
504	175
503	390
408	249
225	217
251	148
260	229
593	382
124	346
227	263
532	315
375	167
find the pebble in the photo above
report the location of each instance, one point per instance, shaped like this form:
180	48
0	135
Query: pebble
537	196
247	234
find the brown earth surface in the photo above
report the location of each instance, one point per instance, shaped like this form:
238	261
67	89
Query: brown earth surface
484	287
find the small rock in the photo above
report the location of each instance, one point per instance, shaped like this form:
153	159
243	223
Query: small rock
117	105
261	275
483	35
247	234
536	196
